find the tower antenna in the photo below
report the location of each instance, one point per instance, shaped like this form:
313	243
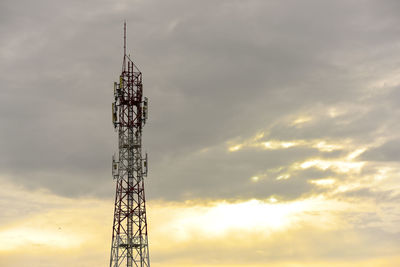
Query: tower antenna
124	61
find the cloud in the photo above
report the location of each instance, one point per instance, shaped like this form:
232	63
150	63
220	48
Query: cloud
386	152
63	231
213	72
302	96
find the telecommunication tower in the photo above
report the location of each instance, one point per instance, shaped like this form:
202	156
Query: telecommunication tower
129	245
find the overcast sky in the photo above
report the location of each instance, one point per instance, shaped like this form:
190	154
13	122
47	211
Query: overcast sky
282	102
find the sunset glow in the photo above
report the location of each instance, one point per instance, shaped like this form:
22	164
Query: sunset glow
272	134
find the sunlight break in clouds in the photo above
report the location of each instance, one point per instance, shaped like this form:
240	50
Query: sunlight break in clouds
218	218
258	142
300	120
254	226
336	165
345	165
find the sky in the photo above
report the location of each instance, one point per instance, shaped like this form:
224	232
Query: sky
273	134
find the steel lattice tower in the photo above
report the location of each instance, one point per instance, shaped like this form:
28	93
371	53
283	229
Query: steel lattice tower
129	245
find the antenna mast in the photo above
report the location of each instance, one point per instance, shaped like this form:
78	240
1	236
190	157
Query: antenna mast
124	60
129	246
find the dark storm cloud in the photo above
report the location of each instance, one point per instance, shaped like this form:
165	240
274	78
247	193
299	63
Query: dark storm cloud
213	70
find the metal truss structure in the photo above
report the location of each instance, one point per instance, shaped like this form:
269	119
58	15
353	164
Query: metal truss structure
129	113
